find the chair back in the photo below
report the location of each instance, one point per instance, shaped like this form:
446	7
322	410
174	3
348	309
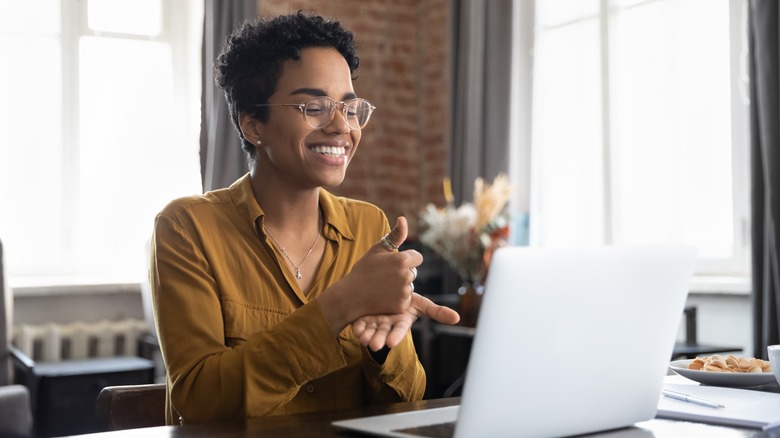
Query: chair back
15	409
131	406
15	413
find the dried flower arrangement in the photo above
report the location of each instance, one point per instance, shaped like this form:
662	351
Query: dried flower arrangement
466	236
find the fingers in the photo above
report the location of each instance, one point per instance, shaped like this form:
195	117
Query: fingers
399	232
359	327
443	315
373	335
440	314
396	335
394	238
380	337
376	337
392	273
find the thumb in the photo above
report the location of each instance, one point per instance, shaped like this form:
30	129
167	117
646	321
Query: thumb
394	238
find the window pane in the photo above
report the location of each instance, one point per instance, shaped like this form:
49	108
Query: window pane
31	205
41	17
93	145
134	157
567	161
672	123
137	17
556	12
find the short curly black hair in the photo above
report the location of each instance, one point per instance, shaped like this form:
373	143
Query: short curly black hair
250	64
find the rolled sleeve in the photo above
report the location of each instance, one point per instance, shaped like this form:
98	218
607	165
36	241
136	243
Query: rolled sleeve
400	378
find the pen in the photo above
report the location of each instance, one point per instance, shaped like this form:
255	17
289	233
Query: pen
691	399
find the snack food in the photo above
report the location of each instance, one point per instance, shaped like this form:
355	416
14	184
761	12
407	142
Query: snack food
730	364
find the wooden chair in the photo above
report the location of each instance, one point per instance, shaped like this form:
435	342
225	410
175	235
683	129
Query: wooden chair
131	406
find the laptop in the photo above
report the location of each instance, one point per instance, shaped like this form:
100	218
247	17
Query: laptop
569	341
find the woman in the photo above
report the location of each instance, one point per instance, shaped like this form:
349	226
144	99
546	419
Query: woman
273	296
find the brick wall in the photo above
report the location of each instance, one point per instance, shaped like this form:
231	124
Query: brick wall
405	60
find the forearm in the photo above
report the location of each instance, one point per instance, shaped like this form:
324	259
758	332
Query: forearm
258	377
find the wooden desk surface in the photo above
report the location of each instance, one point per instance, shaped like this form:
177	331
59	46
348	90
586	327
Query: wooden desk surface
318	425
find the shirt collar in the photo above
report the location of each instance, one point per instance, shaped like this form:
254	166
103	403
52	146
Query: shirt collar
335	217
333	211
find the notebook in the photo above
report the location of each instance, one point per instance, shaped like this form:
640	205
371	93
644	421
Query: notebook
569	341
741	407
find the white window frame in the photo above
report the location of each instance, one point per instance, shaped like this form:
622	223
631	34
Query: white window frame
727	275
181	24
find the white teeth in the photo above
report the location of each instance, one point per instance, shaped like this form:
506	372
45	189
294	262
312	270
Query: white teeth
330	150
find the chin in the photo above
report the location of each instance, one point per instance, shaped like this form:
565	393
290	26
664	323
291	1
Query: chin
332	180
332	184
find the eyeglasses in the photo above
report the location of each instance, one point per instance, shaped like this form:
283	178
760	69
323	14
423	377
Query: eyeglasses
319	112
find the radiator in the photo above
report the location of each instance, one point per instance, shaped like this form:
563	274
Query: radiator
52	342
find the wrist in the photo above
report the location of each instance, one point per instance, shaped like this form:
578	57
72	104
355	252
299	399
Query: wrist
335	308
379	356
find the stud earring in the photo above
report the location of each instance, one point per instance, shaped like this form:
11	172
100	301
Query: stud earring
259	143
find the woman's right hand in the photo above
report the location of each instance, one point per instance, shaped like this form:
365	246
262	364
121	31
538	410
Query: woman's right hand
380	283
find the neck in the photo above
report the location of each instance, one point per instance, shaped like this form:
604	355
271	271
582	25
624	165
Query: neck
285	209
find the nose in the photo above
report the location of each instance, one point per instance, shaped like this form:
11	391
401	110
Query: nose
338	124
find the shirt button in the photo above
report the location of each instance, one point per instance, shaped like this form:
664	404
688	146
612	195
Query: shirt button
310	388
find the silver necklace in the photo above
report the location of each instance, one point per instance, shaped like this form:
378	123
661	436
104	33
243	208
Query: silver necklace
281	248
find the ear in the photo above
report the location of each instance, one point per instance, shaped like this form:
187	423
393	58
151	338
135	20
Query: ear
250	128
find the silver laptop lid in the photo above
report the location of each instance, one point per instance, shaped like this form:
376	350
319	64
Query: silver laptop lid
571	341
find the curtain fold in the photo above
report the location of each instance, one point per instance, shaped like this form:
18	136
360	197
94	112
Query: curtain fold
482	55
481	97
222	160
765	171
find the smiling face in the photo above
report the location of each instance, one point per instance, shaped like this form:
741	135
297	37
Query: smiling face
291	151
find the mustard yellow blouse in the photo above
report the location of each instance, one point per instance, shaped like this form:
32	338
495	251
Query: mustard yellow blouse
238	336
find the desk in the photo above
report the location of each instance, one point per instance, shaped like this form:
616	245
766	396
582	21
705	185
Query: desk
318	425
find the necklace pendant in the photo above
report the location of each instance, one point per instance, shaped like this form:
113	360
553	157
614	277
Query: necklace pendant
298	274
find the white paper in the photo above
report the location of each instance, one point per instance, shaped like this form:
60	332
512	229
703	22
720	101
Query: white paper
742	407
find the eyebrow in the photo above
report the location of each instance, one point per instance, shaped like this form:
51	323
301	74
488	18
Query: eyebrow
319	92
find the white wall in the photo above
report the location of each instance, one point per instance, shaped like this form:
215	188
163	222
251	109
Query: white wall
723	319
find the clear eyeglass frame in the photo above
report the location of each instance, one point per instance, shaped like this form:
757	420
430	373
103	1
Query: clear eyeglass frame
320	111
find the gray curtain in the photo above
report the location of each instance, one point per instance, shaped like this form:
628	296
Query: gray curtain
482	54
481	98
222	160
765	171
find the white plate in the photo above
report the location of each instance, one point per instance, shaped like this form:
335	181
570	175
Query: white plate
720	379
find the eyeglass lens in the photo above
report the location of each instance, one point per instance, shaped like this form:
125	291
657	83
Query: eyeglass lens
319	112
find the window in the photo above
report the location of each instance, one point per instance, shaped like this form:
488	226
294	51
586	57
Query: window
640	131
99	124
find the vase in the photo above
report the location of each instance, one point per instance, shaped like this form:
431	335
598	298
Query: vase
470	301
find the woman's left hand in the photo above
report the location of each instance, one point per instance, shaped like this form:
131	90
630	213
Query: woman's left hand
376	331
